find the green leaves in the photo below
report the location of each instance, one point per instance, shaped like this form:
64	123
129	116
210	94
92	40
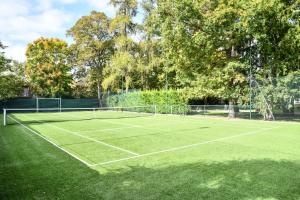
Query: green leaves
91	51
47	67
11	74
10	86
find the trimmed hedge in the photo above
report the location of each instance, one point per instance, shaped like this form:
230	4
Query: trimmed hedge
162	99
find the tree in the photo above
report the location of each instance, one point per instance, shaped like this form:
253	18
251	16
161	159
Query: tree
11	84
47	67
123	62
92	48
212	44
150	64
3	61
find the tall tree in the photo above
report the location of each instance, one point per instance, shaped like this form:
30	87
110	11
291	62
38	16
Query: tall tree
47	67
123	65
92	48
211	45
150	65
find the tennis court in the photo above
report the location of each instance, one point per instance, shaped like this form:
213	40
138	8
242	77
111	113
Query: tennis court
135	153
108	137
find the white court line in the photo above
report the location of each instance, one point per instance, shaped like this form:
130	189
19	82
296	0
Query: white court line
88	138
36	133
185	146
106	129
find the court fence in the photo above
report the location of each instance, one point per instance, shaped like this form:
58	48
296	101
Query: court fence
233	111
50	103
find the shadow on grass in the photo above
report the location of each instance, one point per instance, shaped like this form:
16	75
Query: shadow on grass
254	179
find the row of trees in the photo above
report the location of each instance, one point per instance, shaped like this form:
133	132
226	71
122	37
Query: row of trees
209	48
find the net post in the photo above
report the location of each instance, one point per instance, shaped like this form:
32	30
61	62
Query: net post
171	109
155	110
4	117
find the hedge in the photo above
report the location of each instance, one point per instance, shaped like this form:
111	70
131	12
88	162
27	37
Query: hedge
161	98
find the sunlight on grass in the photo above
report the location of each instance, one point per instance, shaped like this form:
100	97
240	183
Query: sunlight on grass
261	165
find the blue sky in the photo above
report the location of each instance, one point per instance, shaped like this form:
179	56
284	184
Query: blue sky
22	21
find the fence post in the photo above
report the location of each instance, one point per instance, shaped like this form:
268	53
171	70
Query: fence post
4	117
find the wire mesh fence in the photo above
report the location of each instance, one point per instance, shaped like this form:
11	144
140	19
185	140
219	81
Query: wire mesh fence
50	103
229	111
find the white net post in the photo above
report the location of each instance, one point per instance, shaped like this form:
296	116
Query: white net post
155	110
4	117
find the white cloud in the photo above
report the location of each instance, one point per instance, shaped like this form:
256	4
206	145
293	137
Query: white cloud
22	21
67	1
13	8
16	52
103	6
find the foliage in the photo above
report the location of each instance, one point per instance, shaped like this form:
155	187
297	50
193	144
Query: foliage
212	44
11	86
120	72
3	61
11	83
47	67
280	93
161	98
92	48
207	48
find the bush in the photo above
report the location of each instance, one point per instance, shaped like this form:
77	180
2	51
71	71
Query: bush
162	99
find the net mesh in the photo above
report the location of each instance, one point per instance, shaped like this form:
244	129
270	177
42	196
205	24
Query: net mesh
48	115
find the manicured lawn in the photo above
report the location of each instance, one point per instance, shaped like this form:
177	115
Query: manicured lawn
147	157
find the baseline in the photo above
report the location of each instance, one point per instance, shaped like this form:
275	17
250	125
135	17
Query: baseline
59	147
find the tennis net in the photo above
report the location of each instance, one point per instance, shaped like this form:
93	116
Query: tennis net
46	115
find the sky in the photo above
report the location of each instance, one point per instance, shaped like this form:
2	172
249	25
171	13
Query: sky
23	21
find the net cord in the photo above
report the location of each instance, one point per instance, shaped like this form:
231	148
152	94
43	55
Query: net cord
96	108
6	110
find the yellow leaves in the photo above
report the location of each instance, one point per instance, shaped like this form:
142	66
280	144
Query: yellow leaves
49	82
46	66
238	78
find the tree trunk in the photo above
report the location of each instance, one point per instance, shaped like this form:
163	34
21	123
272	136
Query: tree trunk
233	109
231	113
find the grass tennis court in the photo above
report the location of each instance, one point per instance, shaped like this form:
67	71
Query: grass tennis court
112	155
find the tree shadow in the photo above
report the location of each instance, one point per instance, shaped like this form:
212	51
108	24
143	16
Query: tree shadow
251	179
248	179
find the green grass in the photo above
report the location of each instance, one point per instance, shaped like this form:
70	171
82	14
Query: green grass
178	157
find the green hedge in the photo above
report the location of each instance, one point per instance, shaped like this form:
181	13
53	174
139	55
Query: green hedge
162	99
